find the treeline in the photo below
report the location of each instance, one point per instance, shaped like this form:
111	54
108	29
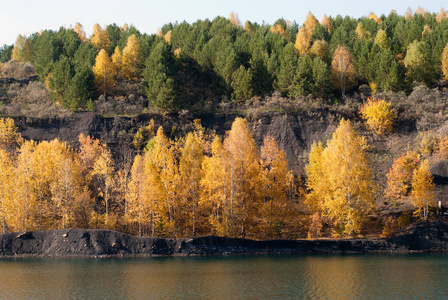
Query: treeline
192	65
196	185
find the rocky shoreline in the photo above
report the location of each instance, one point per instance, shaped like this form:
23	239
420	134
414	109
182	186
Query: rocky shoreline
424	237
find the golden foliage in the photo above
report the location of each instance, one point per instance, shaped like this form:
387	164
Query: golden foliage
378	114
234	19
279	30
340	180
399	177
10	138
382	39
343	73
361	32
100	37
131	58
422	194
441	15
373	16
104	72
408	14
117	60
303	38
444	65
80	32
326	23
319	49
167	37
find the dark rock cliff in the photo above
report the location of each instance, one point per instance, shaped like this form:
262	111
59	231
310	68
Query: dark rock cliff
424	237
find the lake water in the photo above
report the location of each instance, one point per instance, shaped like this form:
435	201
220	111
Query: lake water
416	276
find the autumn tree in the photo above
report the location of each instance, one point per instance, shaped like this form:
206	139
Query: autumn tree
190	174
100	38
6	186
243	173
340	180
445	62
277	182
19	48
343	73
10	138
399	177
104	72
79	29
378	114
117	61
103	170
303	39
326	23
422	194
135	198
418	62
234	19
131	58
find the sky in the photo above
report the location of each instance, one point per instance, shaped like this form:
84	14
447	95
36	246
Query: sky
27	17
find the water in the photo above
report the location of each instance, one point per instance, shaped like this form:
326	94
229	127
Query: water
417	276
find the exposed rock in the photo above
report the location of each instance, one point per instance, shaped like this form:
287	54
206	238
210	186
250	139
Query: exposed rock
425	237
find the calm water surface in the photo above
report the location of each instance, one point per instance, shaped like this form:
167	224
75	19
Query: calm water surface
236	277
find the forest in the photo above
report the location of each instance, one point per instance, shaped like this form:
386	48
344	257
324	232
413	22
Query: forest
199	182
196	66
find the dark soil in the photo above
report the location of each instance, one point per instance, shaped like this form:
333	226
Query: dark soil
423	237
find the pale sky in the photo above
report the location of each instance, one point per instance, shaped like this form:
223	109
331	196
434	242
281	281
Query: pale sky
29	16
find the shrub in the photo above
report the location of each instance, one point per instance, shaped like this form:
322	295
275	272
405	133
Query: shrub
378	114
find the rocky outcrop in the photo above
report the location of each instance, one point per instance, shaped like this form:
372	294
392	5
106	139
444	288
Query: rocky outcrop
429	237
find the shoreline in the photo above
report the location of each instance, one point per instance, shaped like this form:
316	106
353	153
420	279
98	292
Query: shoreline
80	243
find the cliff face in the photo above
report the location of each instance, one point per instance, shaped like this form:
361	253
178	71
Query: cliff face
427	237
294	132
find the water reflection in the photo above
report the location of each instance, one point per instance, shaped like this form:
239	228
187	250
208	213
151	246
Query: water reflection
253	277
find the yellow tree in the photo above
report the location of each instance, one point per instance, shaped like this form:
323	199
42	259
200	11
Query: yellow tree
79	29
243	165
6	184
162	173
234	19
23	196
135	198
382	39
100	38
10	138
343	73
319	49
103	170
445	62
378	114
190	174
345	190
276	181
326	23
303	38
19	48
361	32
441	15
131	58
104	72
117	61
89	151
422	194
215	189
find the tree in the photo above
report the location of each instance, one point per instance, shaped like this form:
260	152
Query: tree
103	170
343	73
6	186
243	173
445	62
382	39
131	58
378	114
242	84
419	66
422	194
79	29
104	72
276	180
136	201
10	138
117	61
399	177
340	180
190	173
326	23
19	48
234	19
100	38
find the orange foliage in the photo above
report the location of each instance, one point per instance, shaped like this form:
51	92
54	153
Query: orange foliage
378	115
